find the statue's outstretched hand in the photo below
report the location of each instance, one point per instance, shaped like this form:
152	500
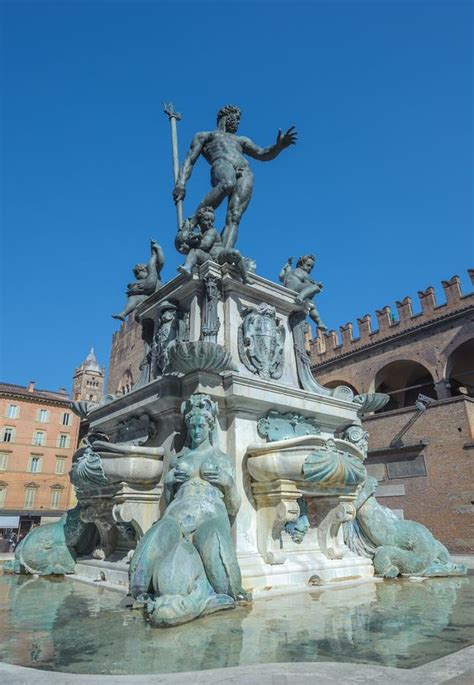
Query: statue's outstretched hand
179	193
286	139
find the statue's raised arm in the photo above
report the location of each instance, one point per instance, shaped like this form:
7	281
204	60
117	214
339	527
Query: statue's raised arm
266	154
231	176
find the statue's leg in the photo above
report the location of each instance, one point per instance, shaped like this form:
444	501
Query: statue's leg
238	203
132	303
184	590
314	315
213	542
190	262
308	292
234	257
157	542
223	181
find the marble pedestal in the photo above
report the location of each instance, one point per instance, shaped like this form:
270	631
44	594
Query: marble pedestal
214	304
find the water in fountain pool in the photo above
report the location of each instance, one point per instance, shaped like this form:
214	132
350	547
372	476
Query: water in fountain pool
62	625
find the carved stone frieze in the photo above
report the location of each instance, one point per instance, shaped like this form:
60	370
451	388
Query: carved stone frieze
276	426
137	428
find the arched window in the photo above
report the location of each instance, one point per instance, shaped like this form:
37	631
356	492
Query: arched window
460	369
404	380
125	383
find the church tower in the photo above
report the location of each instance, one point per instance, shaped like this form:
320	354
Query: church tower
88	380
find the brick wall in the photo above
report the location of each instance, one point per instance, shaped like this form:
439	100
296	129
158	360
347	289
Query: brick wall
443	499
125	356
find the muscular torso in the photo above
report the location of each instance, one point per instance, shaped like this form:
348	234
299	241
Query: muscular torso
228	147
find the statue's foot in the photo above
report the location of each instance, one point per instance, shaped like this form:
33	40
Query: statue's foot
183	270
218	602
118	316
390	572
322	326
13	566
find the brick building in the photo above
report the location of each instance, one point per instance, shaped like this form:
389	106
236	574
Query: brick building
38	436
127	352
427	474
422	453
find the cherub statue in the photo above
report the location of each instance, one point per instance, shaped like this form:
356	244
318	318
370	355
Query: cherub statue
206	243
148	281
298	279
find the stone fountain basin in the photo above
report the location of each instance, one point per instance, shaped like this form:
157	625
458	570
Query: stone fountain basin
130	463
284	459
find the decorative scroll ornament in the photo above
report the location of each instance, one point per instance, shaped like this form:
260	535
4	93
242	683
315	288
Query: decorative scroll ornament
358	436
331	467
276	426
261	341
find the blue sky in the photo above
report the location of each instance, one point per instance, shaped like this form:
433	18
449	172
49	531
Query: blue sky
379	185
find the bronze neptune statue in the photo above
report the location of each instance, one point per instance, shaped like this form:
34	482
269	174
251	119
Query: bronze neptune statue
231	175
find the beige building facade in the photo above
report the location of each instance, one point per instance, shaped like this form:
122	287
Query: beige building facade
38	436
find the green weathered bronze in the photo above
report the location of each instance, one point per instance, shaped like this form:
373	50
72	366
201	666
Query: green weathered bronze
53	548
299	280
185	566
397	547
275	426
148	281
231	176
330	467
203	242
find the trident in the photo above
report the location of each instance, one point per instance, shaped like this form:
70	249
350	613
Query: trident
173	117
